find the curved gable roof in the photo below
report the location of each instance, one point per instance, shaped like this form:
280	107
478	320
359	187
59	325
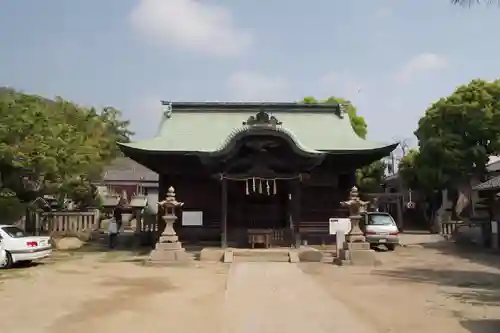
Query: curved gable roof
206	127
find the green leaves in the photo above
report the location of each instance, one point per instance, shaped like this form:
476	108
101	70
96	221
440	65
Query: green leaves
369	178
456	137
358	123
56	140
472	2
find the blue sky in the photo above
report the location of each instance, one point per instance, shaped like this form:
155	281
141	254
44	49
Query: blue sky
391	58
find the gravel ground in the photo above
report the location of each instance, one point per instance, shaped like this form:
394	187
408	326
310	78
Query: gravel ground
433	288
98	293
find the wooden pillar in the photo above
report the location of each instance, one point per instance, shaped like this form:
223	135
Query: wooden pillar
223	236
490	201
493	227
162	193
399	211
296	201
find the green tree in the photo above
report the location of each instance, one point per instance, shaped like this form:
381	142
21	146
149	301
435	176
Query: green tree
118	127
358	123
407	169
11	207
46	144
472	2
369	177
458	133
456	136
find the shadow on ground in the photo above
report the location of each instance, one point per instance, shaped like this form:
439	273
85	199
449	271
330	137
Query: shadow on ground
474	253
472	287
99	243
127	249
481	326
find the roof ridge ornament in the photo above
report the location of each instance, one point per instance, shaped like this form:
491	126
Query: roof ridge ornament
167	110
262	118
343	108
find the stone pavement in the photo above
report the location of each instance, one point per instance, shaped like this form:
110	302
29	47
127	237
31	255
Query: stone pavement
279	297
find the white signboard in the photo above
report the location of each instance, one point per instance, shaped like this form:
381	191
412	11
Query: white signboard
494	227
339	224
192	218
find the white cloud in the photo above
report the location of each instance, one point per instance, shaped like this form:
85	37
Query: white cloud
425	62
252	86
191	25
383	12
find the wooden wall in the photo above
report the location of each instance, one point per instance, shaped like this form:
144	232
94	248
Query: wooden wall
319	200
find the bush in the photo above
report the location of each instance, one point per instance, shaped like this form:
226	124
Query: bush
11	208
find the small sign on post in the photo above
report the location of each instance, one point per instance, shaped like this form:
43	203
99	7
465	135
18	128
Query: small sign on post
339	224
494	234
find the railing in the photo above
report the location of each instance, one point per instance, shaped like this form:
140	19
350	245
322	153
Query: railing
147	223
62	222
449	227
71	221
475	230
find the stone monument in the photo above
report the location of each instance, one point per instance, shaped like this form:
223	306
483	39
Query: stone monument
355	250
168	249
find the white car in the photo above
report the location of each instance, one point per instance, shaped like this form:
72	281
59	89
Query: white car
17	246
380	228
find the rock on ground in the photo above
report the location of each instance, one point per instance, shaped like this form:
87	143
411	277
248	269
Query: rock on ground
67	243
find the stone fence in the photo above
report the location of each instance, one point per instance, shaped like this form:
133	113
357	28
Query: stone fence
62	222
475	231
72	222
448	228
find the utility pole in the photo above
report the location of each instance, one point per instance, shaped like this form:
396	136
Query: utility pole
393	163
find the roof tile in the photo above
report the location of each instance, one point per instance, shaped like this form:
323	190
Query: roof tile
195	131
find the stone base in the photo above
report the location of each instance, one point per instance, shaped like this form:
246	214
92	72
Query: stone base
168	239
212	254
168	253
355	238
358	254
228	256
293	256
358	246
169	246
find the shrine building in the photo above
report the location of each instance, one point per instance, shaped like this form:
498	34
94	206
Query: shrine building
241	167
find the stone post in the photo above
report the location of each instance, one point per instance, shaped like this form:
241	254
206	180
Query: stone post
494	235
356	250
168	249
374	204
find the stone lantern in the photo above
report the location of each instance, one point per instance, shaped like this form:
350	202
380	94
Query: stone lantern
168	248
356	207
355	251
137	205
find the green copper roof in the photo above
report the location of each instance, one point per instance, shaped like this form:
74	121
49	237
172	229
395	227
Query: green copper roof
209	127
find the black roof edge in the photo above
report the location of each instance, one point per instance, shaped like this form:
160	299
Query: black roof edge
384	151
194	107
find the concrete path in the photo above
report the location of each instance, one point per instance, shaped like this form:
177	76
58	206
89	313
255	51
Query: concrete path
279	297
